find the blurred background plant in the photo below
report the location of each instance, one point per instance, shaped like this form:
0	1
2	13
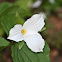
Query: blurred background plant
51	11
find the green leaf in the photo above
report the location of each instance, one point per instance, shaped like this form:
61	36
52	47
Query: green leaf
19	19
26	55
8	20
22	4
4	6
3	42
46	49
1	31
21	44
23	10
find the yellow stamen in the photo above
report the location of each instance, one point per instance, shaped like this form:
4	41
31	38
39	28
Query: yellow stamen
23	31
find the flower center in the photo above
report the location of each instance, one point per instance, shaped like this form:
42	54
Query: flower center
23	31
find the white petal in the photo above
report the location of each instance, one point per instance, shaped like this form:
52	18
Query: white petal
15	33
35	42
35	23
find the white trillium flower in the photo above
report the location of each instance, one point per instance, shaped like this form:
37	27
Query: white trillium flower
29	33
